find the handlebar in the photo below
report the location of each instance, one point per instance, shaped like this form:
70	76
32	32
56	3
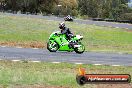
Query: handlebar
57	34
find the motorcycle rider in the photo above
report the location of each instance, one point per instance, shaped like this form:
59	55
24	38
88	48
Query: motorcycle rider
68	16
67	32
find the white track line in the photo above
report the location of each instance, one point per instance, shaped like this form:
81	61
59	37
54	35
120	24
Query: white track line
129	24
55	62
78	63
35	48
97	64
18	47
36	61
115	65
60	62
2	46
15	60
116	27
120	53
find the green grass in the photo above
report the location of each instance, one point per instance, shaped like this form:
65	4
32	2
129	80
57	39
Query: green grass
96	38
44	73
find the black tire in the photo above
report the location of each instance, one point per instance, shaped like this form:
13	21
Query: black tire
77	50
71	20
81	80
57	47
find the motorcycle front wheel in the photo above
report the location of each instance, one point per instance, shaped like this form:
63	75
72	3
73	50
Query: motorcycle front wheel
80	49
52	46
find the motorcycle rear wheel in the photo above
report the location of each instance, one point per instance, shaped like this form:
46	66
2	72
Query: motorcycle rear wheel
80	50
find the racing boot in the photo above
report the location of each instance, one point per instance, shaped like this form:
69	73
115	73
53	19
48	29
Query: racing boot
71	44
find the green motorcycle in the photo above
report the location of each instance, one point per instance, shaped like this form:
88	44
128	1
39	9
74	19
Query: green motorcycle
59	42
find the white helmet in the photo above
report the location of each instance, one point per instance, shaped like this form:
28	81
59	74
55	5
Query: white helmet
61	25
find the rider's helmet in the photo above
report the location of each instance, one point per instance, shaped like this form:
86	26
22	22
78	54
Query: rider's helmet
61	25
68	16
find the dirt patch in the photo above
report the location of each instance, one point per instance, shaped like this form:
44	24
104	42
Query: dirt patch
97	86
34	44
114	86
37	86
128	30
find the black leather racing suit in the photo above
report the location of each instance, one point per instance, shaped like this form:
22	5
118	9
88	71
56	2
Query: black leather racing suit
68	33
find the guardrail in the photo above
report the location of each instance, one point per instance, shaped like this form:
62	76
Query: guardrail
112	20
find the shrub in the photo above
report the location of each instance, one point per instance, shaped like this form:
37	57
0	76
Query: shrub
126	16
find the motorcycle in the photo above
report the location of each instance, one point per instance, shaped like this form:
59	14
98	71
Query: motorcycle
68	18
59	42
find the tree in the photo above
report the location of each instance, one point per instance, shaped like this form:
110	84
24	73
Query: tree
67	7
88	7
103	8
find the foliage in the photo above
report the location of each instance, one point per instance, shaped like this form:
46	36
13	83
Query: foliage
103	8
126	16
112	9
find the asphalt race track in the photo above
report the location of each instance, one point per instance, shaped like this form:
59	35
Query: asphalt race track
10	53
89	22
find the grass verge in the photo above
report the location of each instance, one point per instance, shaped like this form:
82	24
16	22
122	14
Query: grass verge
34	32
48	74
